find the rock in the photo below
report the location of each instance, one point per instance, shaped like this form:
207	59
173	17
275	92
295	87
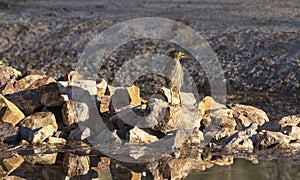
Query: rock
61	134
222	120
196	137
208	104
174	99
29	82
74	76
9	112
80	133
8	73
120	100
82	87
134	95
270	139
53	99
155	120
243	140
188	99
74	112
111	90
101	88
139	136
38	127
8	165
122	172
51	95
27	101
222	160
171	119
40	157
75	165
106	136
170	168
224	132
245	115
56	140
293	120
8	132
292	131
104	103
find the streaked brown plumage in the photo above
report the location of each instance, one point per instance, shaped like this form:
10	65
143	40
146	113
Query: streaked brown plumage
174	72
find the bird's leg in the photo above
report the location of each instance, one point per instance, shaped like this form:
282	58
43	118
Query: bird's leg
171	93
180	102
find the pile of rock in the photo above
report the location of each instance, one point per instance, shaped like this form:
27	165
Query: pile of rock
36	109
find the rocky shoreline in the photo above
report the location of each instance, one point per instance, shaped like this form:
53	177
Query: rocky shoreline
47	116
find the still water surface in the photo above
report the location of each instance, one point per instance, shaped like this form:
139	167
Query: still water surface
246	170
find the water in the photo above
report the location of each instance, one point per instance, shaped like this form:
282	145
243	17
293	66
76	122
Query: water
246	170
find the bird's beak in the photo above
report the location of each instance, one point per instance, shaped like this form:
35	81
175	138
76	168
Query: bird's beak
186	56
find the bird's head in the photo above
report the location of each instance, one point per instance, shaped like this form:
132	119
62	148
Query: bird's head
178	55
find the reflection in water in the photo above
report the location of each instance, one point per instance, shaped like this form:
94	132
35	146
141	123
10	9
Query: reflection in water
246	170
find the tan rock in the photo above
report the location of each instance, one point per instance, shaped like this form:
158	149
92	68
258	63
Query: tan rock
101	88
104	104
292	131
29	82
8	73
56	140
224	132
293	120
9	165
223	160
74	76
208	104
74	112
134	95
174	99
38	127
75	165
196	137
242	141
139	136
9	112
271	139
246	115
171	119
41	158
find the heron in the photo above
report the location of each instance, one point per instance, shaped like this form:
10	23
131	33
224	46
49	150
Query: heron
174	73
